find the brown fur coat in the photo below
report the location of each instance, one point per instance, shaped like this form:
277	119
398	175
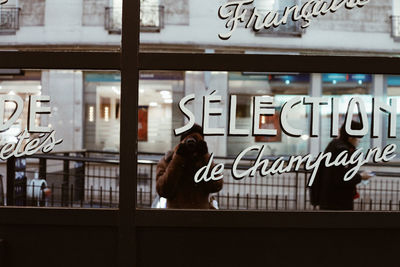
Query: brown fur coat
175	182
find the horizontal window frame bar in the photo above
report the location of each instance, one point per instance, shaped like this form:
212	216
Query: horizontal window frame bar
58	216
60	60
202	62
147	218
269	63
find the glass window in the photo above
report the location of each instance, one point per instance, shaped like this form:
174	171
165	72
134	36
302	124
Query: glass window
244	186
62	148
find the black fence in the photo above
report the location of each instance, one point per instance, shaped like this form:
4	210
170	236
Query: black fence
151	19
71	179
283	192
91	179
395	27
9	20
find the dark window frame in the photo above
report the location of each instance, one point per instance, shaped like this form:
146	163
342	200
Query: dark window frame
130	220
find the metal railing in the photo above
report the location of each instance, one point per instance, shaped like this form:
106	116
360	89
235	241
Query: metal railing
151	19
395	27
71	179
91	179
282	192
9	20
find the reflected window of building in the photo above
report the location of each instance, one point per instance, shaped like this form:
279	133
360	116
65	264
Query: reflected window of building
32	12
151	16
9	17
94	12
291	28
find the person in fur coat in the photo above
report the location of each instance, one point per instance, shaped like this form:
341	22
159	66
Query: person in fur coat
176	171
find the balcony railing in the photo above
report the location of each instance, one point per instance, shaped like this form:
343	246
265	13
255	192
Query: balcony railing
396	27
9	20
291	28
151	19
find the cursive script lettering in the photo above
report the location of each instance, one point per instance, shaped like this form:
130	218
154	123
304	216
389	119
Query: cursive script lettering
44	143
235	13
279	166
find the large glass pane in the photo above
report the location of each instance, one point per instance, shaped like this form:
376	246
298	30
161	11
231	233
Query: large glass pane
62	148
165	180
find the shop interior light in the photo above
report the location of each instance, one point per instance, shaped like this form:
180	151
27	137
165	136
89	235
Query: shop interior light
141	91
287	82
153	104
168	101
11	93
39	87
360	82
334	81
91	114
106	114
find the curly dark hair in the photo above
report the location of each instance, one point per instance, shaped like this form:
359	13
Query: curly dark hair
195	129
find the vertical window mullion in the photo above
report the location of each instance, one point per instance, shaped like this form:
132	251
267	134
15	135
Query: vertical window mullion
128	135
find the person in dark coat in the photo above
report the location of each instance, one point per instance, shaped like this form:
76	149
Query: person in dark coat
337	194
176	171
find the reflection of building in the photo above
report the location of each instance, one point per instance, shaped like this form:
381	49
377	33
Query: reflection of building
173	25
86	104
